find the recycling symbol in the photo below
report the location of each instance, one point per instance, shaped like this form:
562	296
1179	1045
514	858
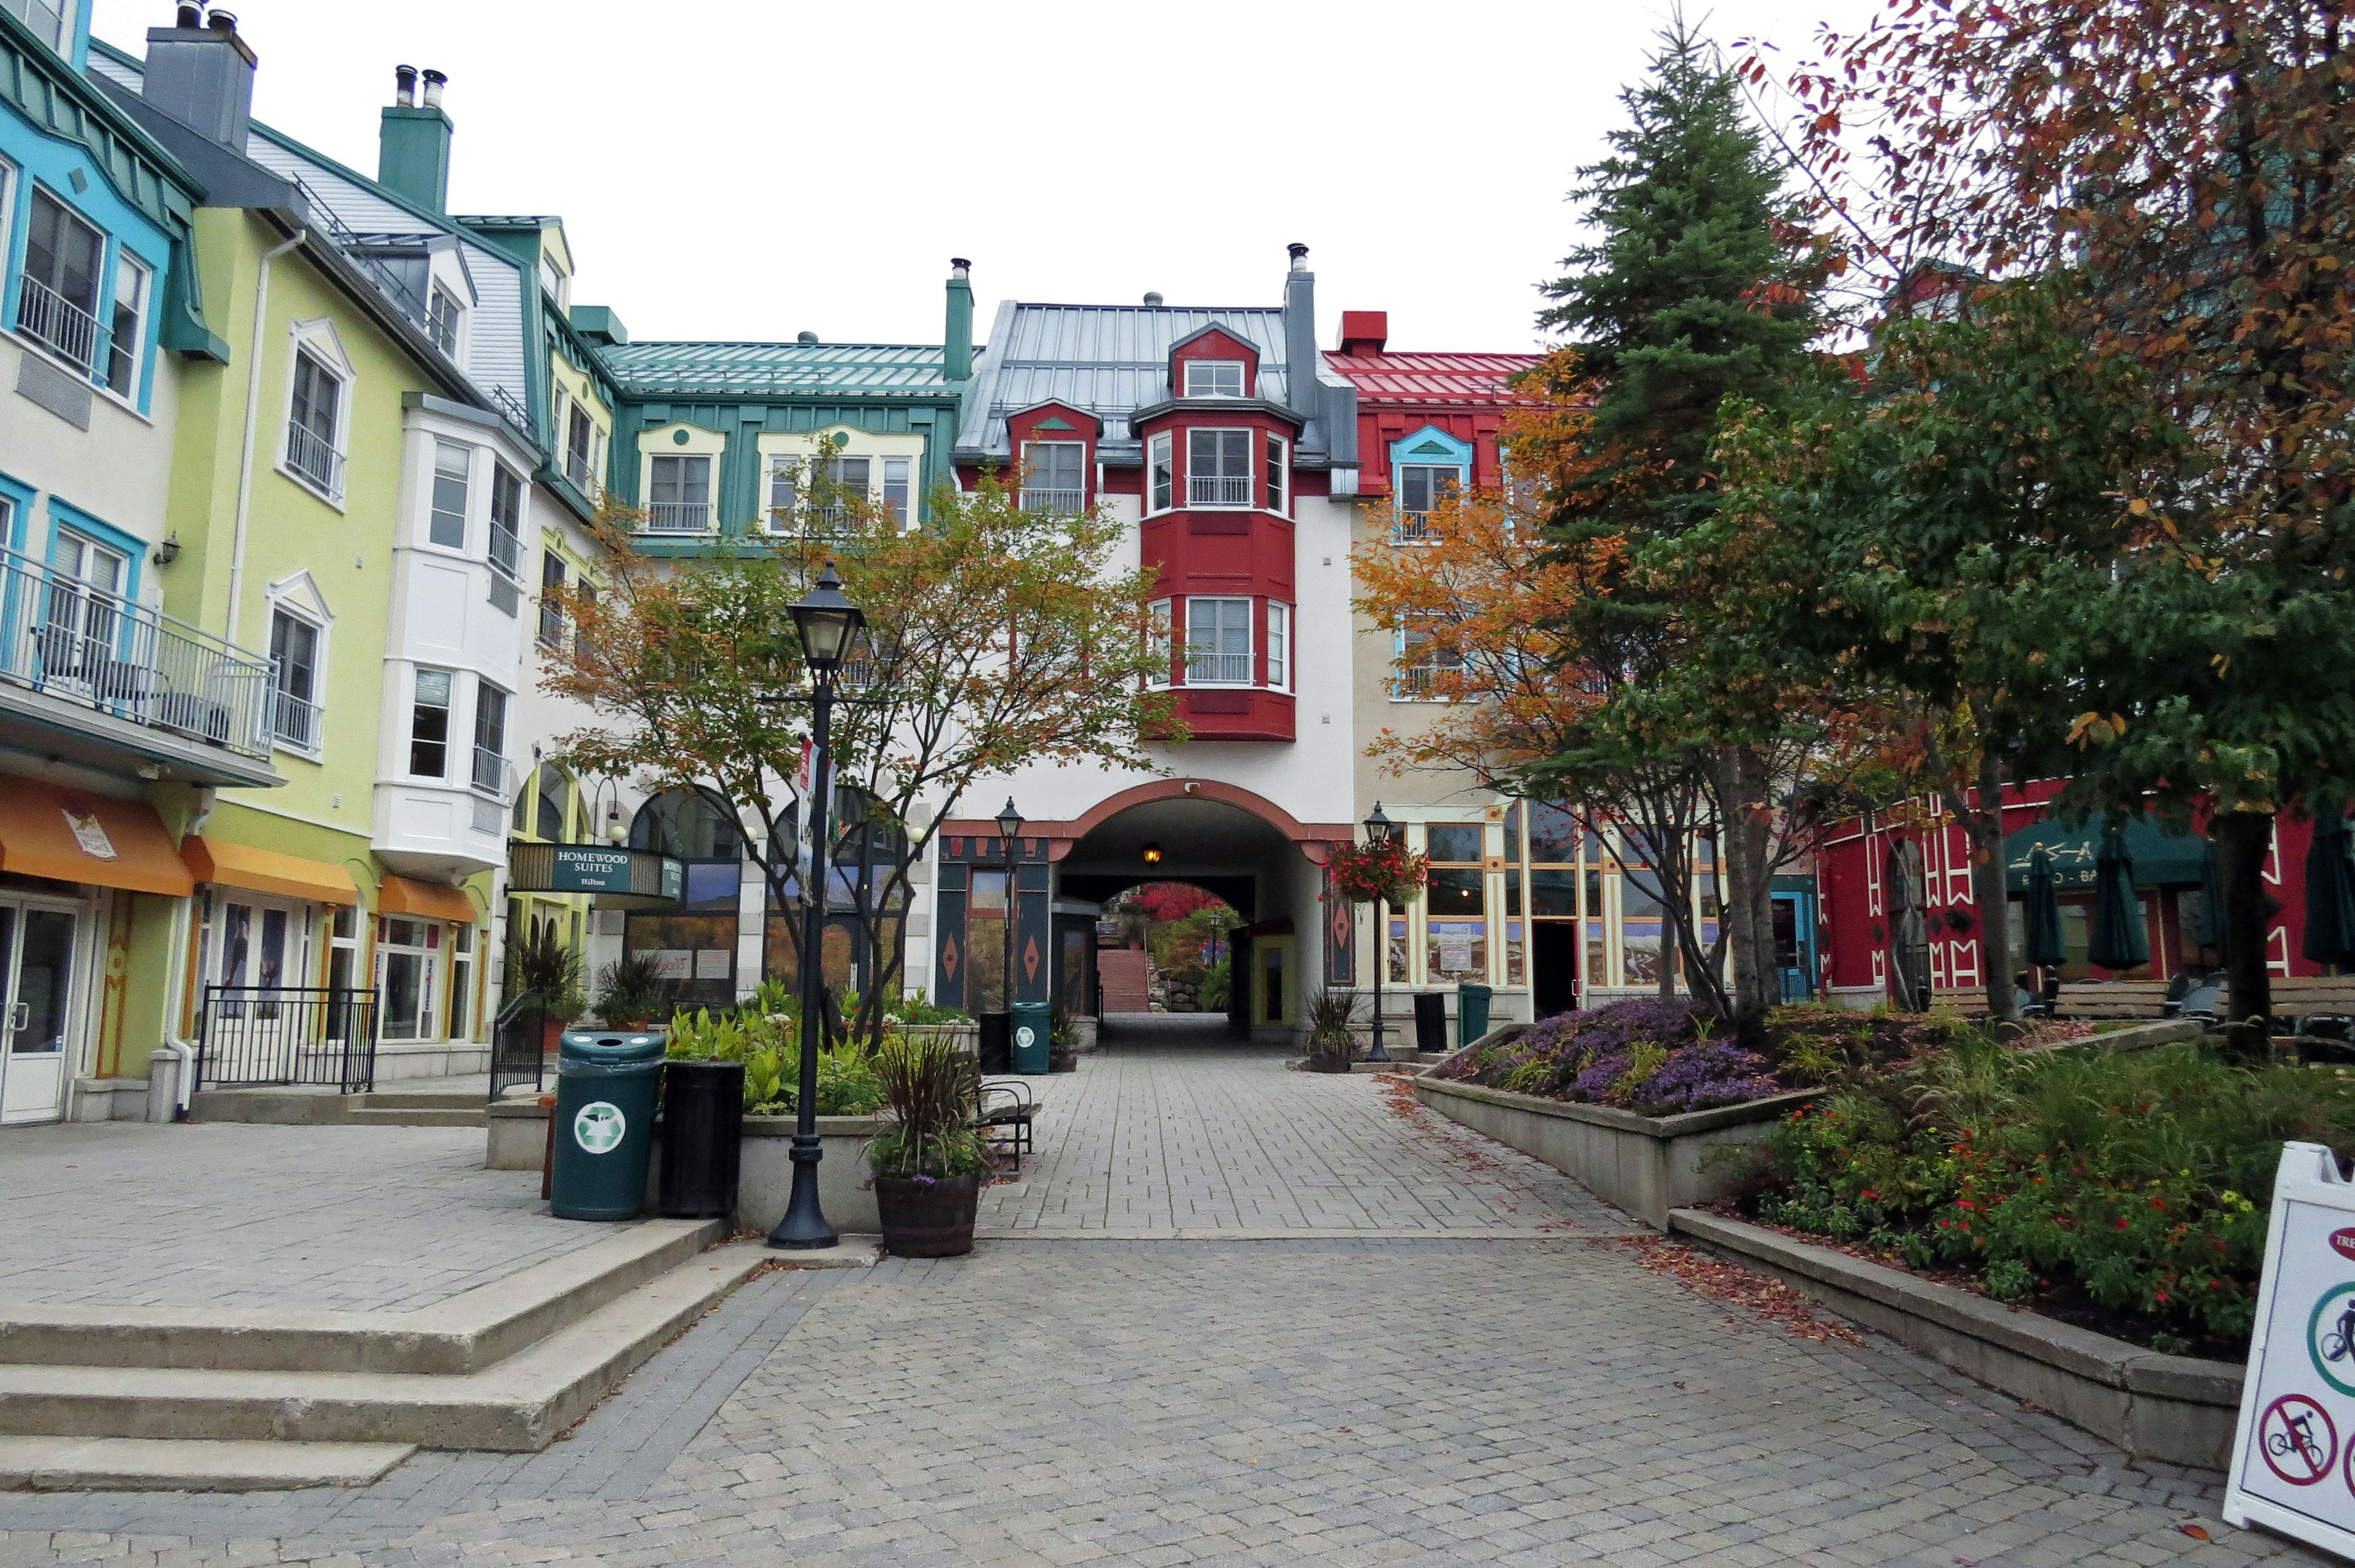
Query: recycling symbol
598	1128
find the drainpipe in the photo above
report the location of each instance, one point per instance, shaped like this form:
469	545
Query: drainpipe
183	1079
253	421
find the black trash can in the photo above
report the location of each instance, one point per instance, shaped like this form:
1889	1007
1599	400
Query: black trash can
606	1091
996	1042
703	1138
1472	1011
1431	1021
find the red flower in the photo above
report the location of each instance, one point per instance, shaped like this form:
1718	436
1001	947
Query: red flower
2161	1295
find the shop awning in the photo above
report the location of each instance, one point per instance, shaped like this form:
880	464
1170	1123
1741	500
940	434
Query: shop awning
267	872
2161	859
72	837
427	900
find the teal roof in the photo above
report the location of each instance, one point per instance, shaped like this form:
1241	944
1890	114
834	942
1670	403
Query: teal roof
756	369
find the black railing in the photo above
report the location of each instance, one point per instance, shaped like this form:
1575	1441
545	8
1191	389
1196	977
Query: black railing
518	1037
249	1035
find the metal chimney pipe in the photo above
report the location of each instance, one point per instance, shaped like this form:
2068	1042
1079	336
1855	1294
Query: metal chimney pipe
404	86
190	15
222	21
1299	254
434	80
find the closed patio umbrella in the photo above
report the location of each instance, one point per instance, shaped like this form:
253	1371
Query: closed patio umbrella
2331	890
2211	901
2046	947
2118	939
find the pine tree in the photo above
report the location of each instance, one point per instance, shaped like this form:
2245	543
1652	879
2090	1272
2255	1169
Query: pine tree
1699	291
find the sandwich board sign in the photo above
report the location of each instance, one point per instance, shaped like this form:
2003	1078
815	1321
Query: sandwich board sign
2294	1452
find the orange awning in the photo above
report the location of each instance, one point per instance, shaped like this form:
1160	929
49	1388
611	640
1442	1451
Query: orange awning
428	900
73	837
267	872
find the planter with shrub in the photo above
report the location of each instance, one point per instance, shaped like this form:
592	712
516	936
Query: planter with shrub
929	1159
1331	1016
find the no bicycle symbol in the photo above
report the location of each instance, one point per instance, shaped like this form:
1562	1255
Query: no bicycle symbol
2297	1440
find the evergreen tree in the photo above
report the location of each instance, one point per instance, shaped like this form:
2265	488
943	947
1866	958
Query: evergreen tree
1699	291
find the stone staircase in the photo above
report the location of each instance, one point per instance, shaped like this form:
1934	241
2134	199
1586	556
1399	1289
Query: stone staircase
315	1108
190	1399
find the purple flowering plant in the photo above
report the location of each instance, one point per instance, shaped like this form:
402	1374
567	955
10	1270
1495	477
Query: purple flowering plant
1651	1056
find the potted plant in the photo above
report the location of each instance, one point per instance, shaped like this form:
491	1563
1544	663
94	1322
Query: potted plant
929	1159
546	973
1063	1043
629	992
1332	1033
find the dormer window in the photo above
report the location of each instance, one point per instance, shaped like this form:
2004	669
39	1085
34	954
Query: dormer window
442	315
1053	478
1214	377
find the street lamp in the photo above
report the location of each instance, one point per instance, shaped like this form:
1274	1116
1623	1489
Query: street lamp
826	622
1009	823
1379	829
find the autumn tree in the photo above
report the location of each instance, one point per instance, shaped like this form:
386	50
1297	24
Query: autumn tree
2188	158
1701	287
996	638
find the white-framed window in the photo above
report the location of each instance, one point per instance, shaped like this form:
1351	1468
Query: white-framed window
785	493
584	451
461	981
559	409
82	616
295	645
506	520
127	331
1156	641
1277	483
1419	666
1218	468
847	483
315	417
429	725
443	316
408	953
551	598
1214	377
1279	645
453	465
678	493
1422	489
490	772
898	492
1160	472
46	17
56	292
343	947
1218	642
1054	478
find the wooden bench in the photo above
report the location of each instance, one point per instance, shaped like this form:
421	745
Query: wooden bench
2304	996
2112	1000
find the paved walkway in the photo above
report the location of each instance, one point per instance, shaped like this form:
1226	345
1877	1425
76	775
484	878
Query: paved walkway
235	1215
1334	1398
1157	1141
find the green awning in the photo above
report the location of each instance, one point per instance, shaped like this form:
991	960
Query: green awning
2161	859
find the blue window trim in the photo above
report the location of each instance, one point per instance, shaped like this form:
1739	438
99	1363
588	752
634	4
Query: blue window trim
1457	454
66	514
50	164
20	494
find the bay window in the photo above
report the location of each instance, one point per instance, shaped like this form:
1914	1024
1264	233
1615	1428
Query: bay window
1279	638
1218	468
506	519
1218	642
451	466
1160	469
429	725
490	739
1156	641
1278	475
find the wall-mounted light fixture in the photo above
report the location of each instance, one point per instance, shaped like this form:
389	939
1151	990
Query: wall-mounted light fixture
1153	854
168	551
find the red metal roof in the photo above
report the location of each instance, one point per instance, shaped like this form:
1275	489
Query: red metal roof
1432	377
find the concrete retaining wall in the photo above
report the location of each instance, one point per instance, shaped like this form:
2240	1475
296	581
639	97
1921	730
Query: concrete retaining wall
1646	1164
2172	1408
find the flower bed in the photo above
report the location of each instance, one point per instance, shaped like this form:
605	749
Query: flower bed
2120	1191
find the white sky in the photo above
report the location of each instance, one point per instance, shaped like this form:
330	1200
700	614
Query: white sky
771	166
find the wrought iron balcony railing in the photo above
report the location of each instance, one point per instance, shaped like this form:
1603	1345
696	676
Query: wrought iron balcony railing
315	458
298	721
1054	503
490	770
1218	669
64	638
44	314
1217	490
678	517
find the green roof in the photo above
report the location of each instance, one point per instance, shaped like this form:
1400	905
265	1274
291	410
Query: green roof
756	369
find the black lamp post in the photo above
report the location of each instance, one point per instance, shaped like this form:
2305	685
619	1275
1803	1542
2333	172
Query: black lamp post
1009	825
1378	831
827	623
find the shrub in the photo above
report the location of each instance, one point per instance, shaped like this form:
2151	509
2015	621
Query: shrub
929	1086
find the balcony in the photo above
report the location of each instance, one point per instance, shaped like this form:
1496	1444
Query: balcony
129	682
1217	490
1218	669
1054	503
678	517
314	460
297	723
506	550
57	321
1414	527
576	469
490	770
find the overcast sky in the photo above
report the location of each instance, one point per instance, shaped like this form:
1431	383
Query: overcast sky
750	168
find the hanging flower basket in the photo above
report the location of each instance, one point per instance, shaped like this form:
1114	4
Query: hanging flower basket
1388	871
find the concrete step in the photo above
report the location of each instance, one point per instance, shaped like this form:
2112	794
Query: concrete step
416	1117
517	1405
146	1464
416	1100
288	1108
467	1333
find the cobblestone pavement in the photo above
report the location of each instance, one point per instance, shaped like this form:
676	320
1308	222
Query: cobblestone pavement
1159	1140
247	1215
1327	1398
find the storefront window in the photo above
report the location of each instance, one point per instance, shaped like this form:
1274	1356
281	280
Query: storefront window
407	957
694	948
1456	926
985	943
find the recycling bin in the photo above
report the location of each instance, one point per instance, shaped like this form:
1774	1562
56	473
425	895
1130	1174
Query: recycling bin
1471	1011
604	1126
1034	1034
702	1138
1430	1021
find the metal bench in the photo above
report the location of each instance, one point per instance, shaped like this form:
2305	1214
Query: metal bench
1005	1110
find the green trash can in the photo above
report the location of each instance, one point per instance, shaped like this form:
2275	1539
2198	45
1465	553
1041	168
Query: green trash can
1471	1012
606	1084
1034	1036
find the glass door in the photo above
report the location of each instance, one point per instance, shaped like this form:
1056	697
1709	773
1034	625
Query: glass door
37	945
